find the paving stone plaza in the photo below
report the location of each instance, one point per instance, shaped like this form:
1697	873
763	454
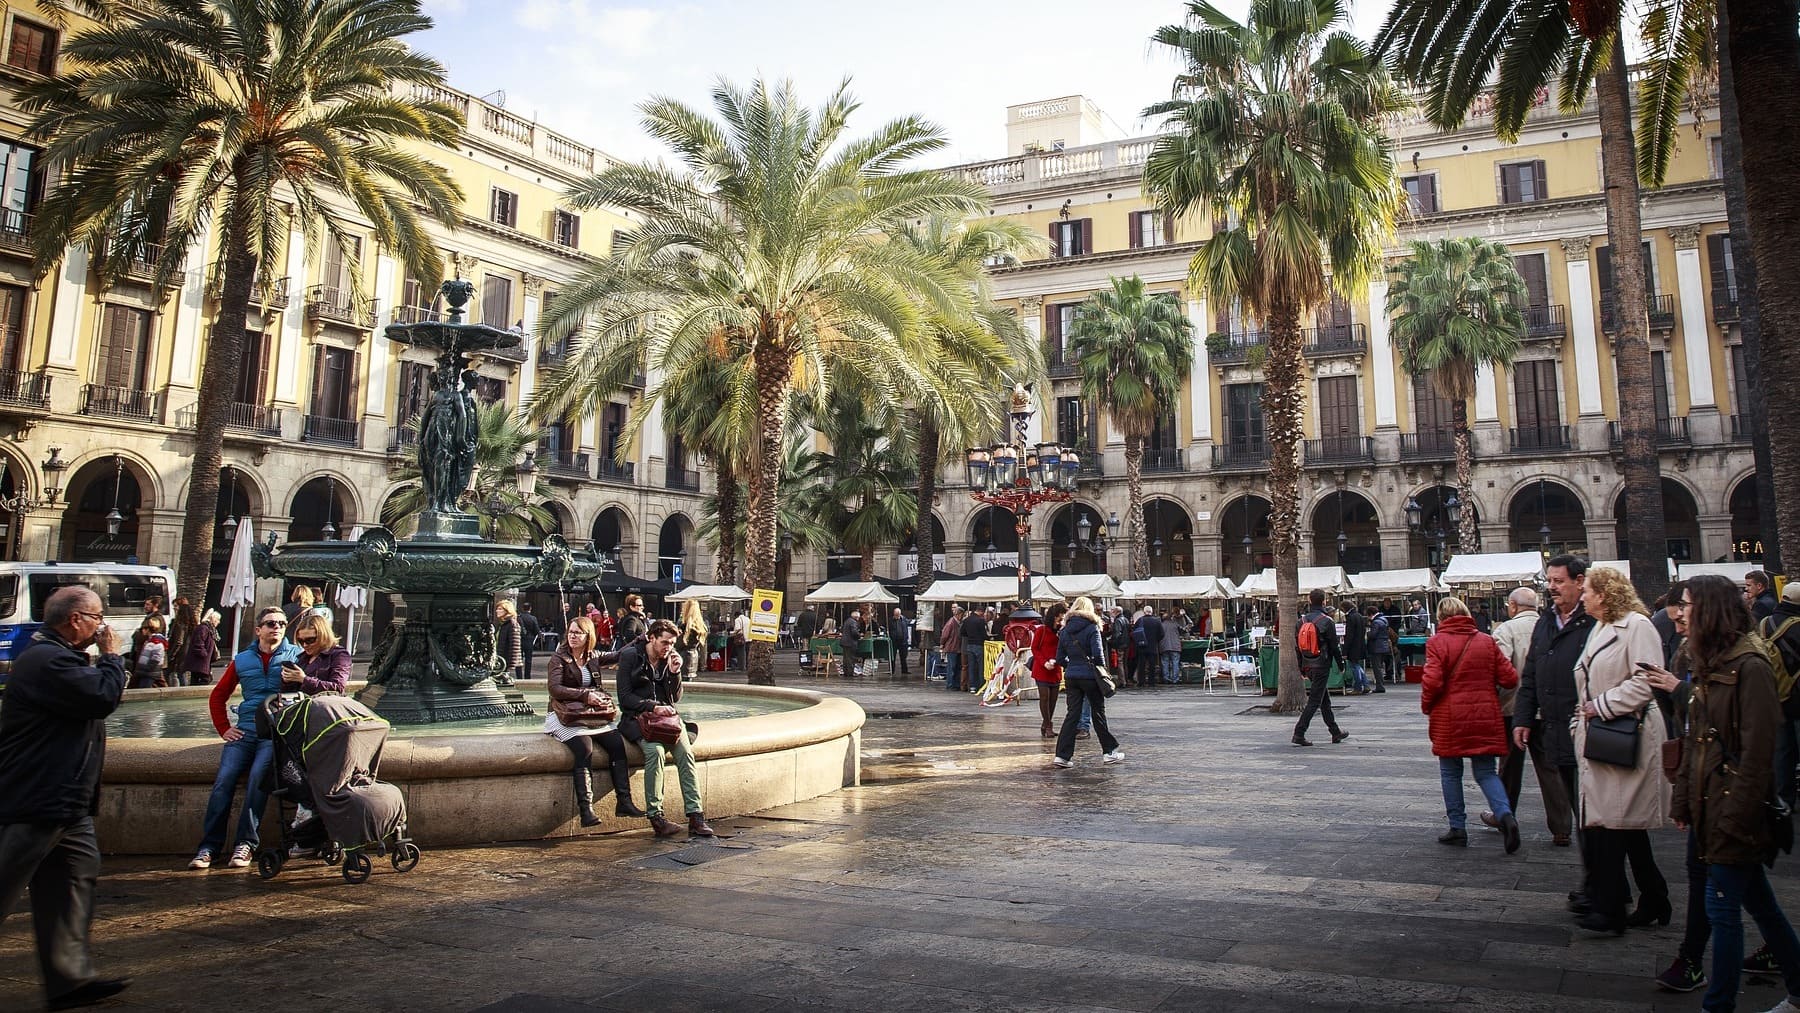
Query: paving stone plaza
1217	868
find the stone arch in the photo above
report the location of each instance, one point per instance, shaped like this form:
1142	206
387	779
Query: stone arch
562	516
906	552
1064	549
1681	520
1245	516
1746	520
349	492
21	475
993	538
319	504
1353	515
148	478
614	530
1168	536
1547	513
676	543
97	484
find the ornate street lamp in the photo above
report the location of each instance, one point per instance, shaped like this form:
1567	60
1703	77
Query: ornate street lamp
228	527
115	519
1543	522
1019	477
20	504
329	532
1415	522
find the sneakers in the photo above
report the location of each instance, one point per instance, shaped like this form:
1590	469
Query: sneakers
240	857
202	859
1057	761
301	851
1762	962
1683	975
1785	1006
1116	756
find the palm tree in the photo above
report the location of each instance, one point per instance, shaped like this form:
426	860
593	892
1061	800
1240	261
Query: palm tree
867	475
502	438
694	412
1455	305
199	109
768	248
797	514
967	361
1454	50
1275	128
1135	349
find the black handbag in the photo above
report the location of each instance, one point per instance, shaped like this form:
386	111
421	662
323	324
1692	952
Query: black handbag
1611	740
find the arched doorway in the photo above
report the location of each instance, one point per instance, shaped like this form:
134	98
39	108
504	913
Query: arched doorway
906	559
610	531
320	511
993	539
1436	538
1681	523
1547	515
672	544
101	522
1069	552
561	519
1746	523
237	503
1346	532
12	521
1169	537
1244	528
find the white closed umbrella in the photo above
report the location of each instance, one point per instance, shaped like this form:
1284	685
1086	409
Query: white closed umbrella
351	599
240	580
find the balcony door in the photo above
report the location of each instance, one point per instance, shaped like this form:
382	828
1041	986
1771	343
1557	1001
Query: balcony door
334	382
1072	423
1244	419
1539	407
1340	416
12	327
1433	418
253	378
124	359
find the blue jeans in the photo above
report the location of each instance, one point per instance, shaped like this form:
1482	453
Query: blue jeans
1085	723
1731	890
973	665
248	753
952	669
1171	666
1450	772
1359	677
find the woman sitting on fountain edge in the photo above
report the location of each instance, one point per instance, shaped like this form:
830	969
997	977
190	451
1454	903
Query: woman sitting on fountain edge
650	676
574	678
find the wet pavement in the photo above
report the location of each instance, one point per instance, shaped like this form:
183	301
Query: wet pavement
1217	868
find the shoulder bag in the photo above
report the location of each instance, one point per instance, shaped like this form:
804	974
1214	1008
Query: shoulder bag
1101	674
660	724
1611	740
581	714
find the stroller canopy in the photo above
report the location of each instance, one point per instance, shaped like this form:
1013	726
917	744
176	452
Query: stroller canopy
338	743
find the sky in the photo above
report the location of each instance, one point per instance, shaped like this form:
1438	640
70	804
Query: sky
582	68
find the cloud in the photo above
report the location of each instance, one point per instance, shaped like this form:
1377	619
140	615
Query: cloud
628	30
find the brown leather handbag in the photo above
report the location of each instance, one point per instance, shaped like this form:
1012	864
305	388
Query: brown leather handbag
581	714
661	724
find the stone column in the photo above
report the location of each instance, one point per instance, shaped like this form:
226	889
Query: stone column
1581	325
1715	537
1496	536
65	317
1396	548
1603	538
1200	382
1696	337
1381	356
375	389
534	307
287	391
42	527
1209	554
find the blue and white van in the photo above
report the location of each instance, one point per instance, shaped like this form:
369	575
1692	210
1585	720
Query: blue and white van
122	588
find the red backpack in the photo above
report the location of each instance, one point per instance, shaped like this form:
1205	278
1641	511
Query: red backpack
1309	638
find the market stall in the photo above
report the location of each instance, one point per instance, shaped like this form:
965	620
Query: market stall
710	593
1731	571
1330	579
1493	570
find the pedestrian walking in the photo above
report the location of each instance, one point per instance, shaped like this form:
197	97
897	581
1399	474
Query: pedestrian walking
1547	684
509	639
1045	672
1319	650
529	632
1686	972
1465	671
202	650
150	656
1514	638
1078	652
950	648
1380	649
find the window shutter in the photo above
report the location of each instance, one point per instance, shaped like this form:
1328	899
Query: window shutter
1724	274
318	382
1056	235
1540	181
1168	227
1531	269
1133	227
12	326
1659	372
574	230
1086	236
1603	262
1509	187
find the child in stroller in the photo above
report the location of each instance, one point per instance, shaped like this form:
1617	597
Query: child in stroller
327	754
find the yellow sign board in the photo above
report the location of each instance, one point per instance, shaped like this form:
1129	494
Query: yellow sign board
765	615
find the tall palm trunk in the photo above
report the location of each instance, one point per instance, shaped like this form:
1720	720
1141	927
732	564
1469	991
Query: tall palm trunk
1284	405
929	454
218	381
1647	547
1753	404
1134	495
730	522
1468	538
774	370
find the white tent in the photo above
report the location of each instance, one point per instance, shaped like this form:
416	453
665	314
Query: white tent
240	580
971	589
1175	589
1624	566
1419	581
1321	578
852	592
1734	571
1071	586
710	592
1471	569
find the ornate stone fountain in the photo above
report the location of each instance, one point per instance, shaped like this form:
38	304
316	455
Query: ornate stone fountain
439	663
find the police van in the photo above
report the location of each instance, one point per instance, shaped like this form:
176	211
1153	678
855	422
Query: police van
122	589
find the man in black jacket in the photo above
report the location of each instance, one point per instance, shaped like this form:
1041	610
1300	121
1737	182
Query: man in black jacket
529	632
1356	647
900	638
52	746
650	677
1317	669
1547	692
974	649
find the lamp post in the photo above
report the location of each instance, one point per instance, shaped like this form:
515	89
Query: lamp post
1449	512
1094	539
19	504
115	519
1019	477
329	532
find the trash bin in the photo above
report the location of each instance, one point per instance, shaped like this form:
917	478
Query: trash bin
1415	673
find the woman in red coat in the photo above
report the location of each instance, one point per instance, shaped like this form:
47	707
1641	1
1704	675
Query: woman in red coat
1043	664
1464	673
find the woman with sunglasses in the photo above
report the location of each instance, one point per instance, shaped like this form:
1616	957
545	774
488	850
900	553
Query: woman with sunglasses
324	664
261	670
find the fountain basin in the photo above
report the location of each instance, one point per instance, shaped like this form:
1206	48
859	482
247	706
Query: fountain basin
501	785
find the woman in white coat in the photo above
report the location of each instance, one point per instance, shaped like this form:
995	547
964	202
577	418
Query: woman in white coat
1619	804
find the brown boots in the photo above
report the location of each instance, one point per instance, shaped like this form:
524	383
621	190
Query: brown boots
697	826
663	827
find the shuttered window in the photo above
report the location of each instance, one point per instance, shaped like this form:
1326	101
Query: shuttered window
565	229
1659	376
1609	281
124	360
334	382
33	47
1535	396
1058	319
612	428
1244	417
1523	182
496	301
1421	193
415	391
1724	270
1531	268
1072	238
340	260
1071	422
253	380
1149	229
1340	415
12	326
503	207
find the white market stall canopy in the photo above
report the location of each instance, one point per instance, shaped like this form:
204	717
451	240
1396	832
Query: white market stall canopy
1312	578
985	589
972	589
1733	571
851	592
1419	581
1471	569
710	592
1175	589
1624	566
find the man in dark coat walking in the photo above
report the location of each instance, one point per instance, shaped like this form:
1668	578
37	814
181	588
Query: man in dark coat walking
529	632
1317	670
52	746
1547	686
1356	647
900	638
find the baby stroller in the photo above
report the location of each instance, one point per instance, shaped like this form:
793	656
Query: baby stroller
327	754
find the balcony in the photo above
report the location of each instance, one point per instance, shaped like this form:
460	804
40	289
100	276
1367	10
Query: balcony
106	401
1161	460
565	464
1660	309
1544	322
331	304
554	356
678	477
268	293
1241	455
1670	432
1340	451
255	419
1093	462
1725	305
413	315
616	473
1740	429
635	381
141	265
1236	347
1337	339
337	432
1122	158
19	389
1429	445
1538	440
15	231
1060	366
402	441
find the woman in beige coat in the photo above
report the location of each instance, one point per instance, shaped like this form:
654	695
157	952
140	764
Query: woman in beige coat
1620	805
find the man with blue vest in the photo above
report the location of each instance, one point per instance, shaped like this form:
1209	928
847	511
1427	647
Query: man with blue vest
261	670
